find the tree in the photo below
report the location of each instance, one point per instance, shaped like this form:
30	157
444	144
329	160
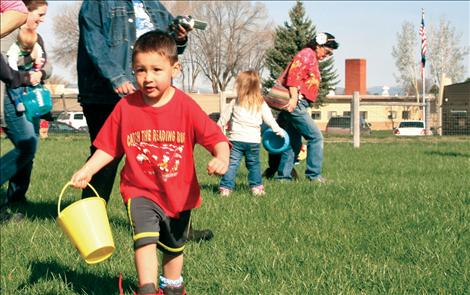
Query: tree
290	39
66	32
190	67
236	39
405	58
56	79
445	55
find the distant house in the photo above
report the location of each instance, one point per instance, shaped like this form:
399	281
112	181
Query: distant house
456	109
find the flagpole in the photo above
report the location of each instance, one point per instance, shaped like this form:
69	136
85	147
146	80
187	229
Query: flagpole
423	68
424	100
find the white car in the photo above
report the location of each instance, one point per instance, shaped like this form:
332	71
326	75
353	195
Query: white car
411	128
75	119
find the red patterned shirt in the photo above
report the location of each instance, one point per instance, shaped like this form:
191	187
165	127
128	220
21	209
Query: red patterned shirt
304	73
158	143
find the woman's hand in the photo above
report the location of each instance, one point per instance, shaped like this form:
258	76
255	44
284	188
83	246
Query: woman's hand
294	97
125	88
35	77
290	106
181	34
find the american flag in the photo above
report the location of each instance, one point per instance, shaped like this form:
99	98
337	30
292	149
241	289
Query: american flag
424	44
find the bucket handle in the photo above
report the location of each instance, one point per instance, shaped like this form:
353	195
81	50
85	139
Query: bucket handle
63	191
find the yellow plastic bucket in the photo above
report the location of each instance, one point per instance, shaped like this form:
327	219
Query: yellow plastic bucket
86	224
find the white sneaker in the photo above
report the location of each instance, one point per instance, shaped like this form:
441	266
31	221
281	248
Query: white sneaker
258	191
224	192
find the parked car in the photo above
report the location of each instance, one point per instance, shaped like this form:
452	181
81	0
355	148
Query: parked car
342	125
60	127
411	128
75	119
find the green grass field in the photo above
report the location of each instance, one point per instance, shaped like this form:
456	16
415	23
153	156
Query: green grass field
394	219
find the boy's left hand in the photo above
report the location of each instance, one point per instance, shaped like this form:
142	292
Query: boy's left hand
217	166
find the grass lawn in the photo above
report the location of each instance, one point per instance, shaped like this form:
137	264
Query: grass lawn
394	219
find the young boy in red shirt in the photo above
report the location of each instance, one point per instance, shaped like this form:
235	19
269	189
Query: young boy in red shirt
157	128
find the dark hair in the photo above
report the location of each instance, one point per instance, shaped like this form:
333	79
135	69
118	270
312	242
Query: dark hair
32	5
323	39
158	42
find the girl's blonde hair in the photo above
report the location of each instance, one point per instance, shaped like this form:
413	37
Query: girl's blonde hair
249	90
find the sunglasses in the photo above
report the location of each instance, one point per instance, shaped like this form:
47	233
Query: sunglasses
328	51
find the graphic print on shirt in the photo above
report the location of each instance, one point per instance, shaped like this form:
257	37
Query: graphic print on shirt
158	152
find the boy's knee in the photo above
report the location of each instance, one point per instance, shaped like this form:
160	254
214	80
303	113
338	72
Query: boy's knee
144	241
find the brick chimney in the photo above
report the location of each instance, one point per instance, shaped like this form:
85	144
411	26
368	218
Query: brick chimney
355	76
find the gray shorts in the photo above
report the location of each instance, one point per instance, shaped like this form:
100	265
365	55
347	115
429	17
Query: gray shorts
152	226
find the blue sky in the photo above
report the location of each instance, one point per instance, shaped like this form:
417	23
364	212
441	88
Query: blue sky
364	29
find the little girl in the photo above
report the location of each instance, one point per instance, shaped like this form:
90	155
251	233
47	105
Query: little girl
246	114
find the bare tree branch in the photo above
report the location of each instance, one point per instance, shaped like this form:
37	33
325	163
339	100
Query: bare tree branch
66	32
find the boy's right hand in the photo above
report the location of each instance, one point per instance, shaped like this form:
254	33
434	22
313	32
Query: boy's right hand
81	178
217	166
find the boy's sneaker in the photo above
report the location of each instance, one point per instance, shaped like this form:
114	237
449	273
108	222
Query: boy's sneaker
258	191
172	291
224	192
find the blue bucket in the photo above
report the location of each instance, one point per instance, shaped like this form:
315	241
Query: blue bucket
273	143
37	101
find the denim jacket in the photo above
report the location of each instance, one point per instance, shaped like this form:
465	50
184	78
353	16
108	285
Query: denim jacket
107	36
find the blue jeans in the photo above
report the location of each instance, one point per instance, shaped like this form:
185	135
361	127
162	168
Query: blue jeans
17	164
251	153
300	125
15	94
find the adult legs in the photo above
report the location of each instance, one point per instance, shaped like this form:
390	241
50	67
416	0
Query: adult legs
287	161
274	160
302	124
306	126
103	180
16	166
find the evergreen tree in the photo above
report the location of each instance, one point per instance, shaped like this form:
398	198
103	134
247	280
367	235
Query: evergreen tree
290	39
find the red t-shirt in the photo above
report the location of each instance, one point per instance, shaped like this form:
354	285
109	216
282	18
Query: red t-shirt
304	73
158	143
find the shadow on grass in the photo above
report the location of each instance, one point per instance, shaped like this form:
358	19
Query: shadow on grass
214	188
80	283
209	187
448	154
48	210
32	209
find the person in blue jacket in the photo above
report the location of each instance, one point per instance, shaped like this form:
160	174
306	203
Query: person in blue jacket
108	31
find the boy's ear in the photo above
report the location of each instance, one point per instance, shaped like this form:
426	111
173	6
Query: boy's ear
176	69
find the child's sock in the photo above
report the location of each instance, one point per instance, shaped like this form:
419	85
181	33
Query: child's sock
164	282
172	287
147	289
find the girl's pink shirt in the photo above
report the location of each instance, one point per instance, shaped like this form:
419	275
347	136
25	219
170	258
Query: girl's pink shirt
13	5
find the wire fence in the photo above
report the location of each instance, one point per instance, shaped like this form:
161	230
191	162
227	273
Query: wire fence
375	113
